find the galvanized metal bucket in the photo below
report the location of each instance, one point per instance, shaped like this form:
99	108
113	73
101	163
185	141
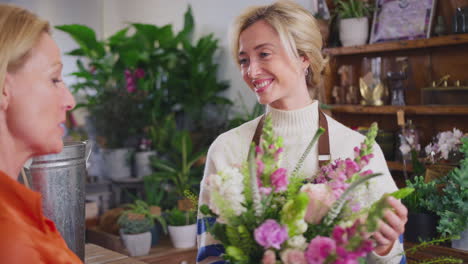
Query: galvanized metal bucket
60	178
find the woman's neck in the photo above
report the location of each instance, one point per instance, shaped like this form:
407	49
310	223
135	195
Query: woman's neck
305	118
12	158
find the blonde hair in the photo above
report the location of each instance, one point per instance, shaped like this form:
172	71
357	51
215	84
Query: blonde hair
20	30
297	30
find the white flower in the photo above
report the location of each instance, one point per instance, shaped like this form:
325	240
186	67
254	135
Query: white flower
301	226
227	188
405	149
298	242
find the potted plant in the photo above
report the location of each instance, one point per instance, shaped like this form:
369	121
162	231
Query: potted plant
354	22
443	154
155	194
182	228
422	220
452	205
179	166
135	225
135	78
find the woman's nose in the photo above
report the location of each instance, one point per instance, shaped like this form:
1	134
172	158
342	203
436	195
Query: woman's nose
254	69
70	102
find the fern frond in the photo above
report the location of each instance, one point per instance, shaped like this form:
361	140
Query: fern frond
338	204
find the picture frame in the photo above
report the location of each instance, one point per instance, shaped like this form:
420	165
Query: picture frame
402	20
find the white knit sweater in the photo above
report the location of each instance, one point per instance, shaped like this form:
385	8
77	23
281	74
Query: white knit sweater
297	128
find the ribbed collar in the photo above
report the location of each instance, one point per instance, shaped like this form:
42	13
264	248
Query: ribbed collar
291	122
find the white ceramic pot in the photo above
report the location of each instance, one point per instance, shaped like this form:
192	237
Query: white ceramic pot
137	244
354	31
461	243
117	163
183	236
143	163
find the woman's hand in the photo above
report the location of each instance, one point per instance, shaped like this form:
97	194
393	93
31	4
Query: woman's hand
390	229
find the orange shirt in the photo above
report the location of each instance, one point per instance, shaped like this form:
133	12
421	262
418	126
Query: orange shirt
26	235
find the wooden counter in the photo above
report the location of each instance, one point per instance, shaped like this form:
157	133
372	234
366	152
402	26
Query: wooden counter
98	255
165	253
434	252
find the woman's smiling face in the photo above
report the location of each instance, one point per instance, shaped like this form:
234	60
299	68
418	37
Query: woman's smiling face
276	78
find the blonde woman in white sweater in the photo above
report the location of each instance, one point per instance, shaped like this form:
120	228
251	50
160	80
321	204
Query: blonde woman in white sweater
278	49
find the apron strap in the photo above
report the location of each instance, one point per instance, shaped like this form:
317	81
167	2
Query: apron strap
323	142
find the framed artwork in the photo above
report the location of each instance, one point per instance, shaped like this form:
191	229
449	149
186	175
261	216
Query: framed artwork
402	20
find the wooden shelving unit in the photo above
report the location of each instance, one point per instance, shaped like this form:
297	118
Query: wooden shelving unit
398	166
411	109
399	45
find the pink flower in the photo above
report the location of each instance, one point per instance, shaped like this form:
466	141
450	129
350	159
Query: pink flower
351	167
278	153
320	200
357	152
139	73
258	150
269	257
319	249
279	180
270	234
365	173
365	160
130	81
260	167
293	256
265	190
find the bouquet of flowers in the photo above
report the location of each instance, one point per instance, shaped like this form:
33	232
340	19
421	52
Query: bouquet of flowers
264	216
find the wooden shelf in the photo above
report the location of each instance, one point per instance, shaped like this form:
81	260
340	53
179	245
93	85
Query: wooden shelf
412	109
398	166
399	45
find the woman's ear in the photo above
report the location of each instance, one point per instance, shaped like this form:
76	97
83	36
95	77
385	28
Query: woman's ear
6	92
304	61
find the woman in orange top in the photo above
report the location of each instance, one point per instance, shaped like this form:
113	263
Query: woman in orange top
33	104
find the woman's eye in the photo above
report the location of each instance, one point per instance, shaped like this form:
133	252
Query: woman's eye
56	80
264	54
242	61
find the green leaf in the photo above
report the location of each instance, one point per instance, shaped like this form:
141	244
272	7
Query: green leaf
402	193
86	39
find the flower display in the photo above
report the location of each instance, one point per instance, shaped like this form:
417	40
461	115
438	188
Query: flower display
446	143
266	214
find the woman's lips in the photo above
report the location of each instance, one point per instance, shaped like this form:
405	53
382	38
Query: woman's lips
261	85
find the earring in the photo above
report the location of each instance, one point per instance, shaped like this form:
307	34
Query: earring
306	71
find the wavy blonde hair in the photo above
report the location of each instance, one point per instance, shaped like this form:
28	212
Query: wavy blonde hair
297	30
20	30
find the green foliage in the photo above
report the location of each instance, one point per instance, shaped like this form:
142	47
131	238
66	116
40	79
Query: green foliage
176	217
299	164
420	200
425	244
179	168
153	190
139	219
352	8
179	76
131	225
293	211
338	205
160	133
142	208
452	205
